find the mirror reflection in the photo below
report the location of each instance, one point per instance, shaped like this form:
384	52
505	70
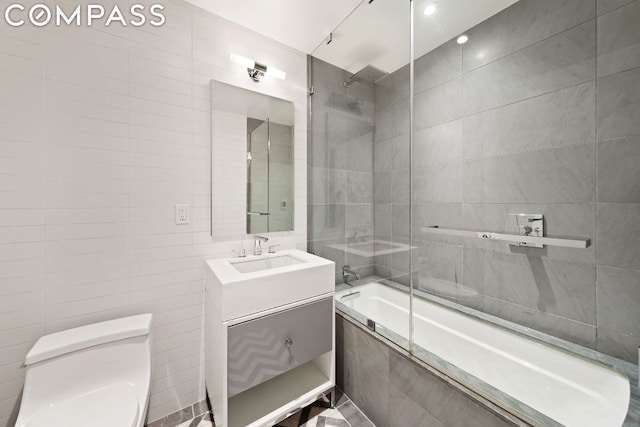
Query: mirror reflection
252	161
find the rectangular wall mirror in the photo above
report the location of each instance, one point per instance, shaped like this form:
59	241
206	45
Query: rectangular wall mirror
251	162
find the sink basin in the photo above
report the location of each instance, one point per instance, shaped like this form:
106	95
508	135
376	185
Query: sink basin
240	287
251	265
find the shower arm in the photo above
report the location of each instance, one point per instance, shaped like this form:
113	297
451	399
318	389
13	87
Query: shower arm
511	238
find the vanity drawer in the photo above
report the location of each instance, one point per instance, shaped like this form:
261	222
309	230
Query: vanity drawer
263	348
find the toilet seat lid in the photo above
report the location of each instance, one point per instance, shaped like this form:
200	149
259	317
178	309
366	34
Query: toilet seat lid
112	406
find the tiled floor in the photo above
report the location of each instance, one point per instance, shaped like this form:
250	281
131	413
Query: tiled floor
318	414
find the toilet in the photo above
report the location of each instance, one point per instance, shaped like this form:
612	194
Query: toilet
96	375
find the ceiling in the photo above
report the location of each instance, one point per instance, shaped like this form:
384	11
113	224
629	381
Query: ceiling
378	33
301	24
364	32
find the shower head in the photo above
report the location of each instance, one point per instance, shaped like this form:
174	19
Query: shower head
368	75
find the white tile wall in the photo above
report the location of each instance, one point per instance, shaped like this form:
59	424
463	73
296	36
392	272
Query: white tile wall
102	132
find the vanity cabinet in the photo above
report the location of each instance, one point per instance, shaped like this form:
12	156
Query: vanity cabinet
263	348
262	367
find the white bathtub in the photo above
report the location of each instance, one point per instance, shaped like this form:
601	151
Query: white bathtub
564	387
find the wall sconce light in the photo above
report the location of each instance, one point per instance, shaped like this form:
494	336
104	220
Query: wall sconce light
256	70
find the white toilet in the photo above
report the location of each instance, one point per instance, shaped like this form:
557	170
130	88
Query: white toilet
96	375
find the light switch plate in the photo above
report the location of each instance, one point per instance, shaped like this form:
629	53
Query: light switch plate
182	214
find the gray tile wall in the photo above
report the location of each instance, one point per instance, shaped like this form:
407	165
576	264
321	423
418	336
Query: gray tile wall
540	113
394	391
340	167
392	167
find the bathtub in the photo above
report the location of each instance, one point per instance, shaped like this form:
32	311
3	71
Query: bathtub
565	388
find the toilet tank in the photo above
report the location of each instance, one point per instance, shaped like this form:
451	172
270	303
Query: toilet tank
88	358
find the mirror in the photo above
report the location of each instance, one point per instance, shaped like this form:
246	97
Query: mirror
251	161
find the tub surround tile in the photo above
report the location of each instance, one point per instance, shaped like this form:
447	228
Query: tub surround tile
438	144
560	175
400	82
619	40
382	187
442	183
327	185
443	402
623	345
400	118
618	231
504	33
405	412
359	219
438	66
383	92
401	159
444	215
365	372
619	104
327	221
360	154
371	395
560	118
439	261
561	61
556	287
618	296
400	223
606	6
370	354
619	170
359	187
331	120
438	105
383	156
400	187
382	220
327	150
383	124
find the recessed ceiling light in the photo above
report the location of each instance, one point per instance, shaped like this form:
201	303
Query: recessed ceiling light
463	39
431	9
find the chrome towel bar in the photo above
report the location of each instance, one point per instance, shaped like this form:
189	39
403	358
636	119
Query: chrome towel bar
511	238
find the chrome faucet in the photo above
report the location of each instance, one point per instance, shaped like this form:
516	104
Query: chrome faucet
346	272
257	247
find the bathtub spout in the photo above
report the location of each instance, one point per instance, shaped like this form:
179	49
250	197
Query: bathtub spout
346	272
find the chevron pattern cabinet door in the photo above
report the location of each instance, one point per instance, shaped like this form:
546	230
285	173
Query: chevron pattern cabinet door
263	348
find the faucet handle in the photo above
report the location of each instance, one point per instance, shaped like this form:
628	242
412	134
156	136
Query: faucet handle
272	249
241	253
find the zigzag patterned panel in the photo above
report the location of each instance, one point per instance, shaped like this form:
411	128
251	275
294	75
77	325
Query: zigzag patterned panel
263	348
254	358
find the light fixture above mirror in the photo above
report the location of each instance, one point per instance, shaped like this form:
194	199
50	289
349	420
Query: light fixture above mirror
255	69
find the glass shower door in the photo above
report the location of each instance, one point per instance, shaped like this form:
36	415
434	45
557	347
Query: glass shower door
359	167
